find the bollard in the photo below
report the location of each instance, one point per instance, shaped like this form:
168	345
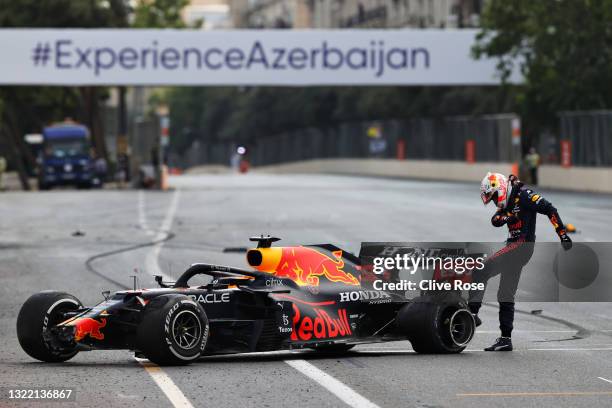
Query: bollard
164	178
470	151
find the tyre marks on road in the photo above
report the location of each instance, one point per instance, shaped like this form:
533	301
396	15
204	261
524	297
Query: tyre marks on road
159	238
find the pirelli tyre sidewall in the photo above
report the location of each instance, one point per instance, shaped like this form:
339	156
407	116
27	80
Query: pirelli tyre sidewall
174	330
437	324
37	315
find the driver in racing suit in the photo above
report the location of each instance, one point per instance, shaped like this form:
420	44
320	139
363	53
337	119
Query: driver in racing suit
517	207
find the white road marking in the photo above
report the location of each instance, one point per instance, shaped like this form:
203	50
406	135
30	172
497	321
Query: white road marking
129	396
536	394
605	379
398	351
572	349
165	383
152	257
527	331
142	214
331	384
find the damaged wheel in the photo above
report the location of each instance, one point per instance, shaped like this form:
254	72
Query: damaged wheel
437	325
37	315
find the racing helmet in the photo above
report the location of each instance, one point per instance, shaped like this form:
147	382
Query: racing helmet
494	187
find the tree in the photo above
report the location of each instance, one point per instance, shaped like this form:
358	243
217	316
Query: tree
159	14
562	47
27	109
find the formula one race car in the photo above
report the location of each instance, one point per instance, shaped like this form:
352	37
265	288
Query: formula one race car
295	298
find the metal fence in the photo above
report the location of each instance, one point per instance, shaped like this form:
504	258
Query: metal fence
590	136
144	139
434	139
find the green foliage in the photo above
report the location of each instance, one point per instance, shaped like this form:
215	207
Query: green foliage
564	48
32	107
159	14
28	109
63	13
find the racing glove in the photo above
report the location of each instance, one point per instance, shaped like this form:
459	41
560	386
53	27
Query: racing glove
500	219
566	242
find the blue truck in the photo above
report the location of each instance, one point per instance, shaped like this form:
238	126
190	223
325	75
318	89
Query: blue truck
66	158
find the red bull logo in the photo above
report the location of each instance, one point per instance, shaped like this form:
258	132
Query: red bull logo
303	265
319	326
86	326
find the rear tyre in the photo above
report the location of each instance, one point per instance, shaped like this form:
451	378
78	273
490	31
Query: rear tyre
333	348
38	314
174	330
437	325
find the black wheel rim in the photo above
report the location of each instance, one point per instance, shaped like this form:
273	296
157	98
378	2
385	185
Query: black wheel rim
461	326
186	329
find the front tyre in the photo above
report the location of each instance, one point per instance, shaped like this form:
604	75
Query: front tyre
174	330
37	315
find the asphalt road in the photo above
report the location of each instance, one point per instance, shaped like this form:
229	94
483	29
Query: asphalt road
207	213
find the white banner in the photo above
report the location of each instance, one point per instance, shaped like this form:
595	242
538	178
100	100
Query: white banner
242	57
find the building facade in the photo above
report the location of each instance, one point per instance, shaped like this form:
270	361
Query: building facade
356	13
207	14
272	13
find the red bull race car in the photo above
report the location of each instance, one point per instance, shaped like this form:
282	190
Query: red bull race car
293	298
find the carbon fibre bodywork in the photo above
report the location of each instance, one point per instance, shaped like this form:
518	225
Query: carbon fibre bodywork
306	296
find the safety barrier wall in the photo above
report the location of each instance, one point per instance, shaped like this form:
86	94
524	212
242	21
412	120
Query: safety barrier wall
584	140
416	169
595	179
556	177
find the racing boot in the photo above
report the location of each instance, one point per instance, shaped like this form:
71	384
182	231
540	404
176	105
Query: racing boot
477	320
501	344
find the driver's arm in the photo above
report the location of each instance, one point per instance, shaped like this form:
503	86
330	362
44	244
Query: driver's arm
538	203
